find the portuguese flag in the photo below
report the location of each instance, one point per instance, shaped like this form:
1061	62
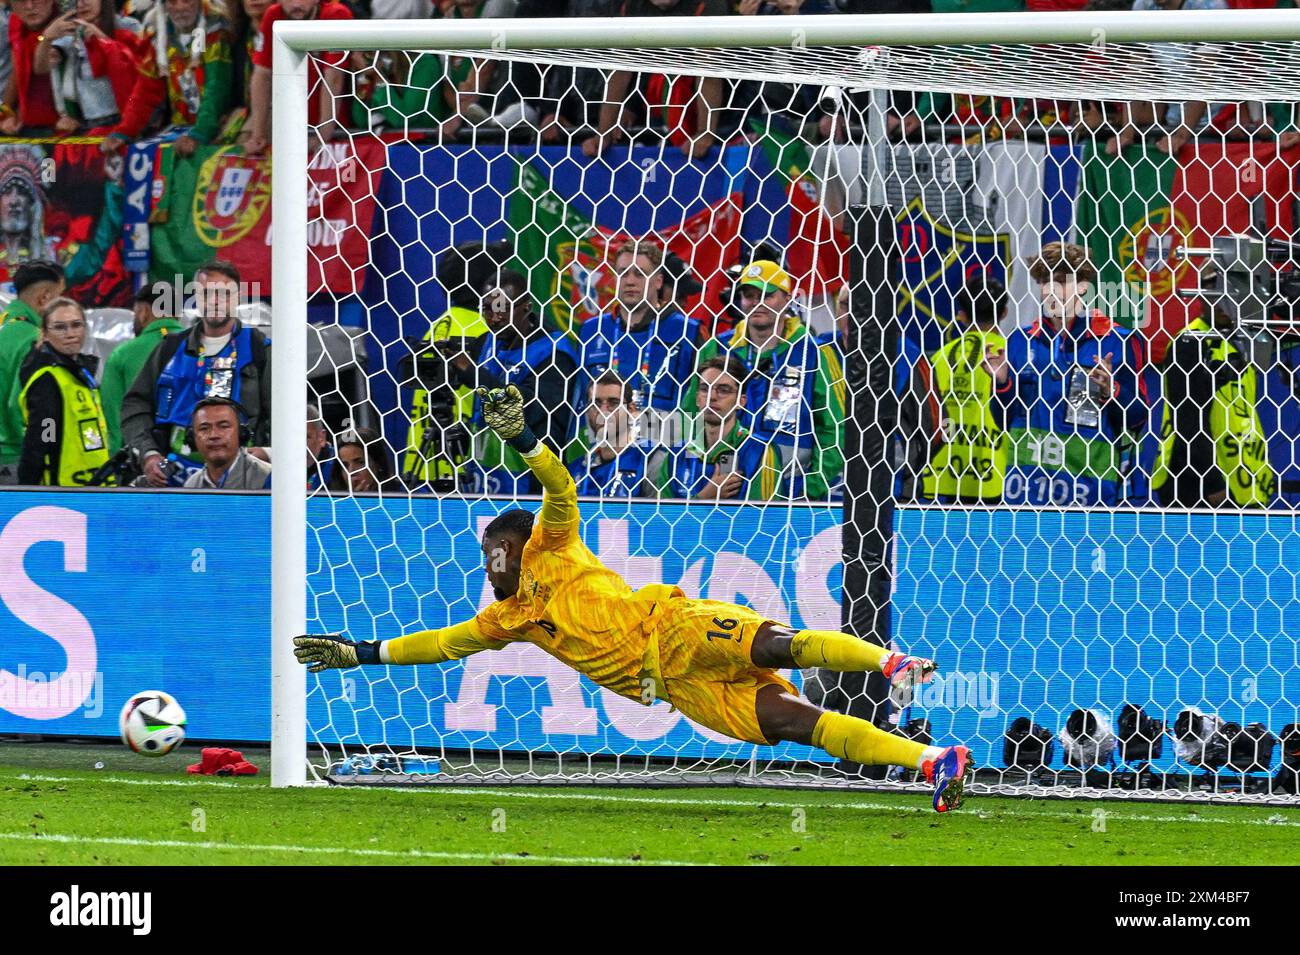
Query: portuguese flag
1136	212
569	259
211	202
1224	188
547	231
1128	225
816	252
217	204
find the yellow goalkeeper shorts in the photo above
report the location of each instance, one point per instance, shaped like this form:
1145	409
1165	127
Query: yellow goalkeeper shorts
704	665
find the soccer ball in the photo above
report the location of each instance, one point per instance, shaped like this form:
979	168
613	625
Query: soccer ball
152	723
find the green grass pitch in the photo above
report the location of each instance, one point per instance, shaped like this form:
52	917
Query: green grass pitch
57	808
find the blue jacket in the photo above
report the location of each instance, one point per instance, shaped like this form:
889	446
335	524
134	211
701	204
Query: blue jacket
187	378
621	477
1051	460
657	361
686	467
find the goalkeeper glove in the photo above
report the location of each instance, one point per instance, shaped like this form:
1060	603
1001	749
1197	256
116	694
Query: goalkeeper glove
503	410
330	651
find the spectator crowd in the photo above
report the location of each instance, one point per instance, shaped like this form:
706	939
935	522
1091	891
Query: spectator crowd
643	400
199	72
642	403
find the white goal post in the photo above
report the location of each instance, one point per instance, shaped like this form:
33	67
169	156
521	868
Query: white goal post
996	54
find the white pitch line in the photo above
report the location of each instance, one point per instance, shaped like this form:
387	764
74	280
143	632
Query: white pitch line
39	778
1111	806
337	850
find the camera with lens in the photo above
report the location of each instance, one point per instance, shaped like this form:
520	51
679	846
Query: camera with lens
1253	281
118	471
443	437
462	273
429	365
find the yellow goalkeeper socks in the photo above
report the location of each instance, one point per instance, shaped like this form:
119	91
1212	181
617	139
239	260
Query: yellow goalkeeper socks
848	737
836	651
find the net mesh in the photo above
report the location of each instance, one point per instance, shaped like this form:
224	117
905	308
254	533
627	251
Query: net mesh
1102	562
1228	70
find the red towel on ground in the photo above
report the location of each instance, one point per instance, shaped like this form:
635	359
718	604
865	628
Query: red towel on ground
218	761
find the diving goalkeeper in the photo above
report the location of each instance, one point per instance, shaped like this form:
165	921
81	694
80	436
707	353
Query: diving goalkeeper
715	662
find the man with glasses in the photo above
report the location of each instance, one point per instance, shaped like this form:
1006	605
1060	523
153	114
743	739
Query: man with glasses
605	458
794	387
647	341
721	460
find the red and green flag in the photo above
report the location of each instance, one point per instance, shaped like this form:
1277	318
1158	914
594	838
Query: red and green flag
1127	223
816	252
217	204
1136	212
569	259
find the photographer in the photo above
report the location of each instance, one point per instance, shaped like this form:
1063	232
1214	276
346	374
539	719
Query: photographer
218	357
437	406
218	431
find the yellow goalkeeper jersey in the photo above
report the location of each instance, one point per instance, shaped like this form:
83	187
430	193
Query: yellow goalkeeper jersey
568	603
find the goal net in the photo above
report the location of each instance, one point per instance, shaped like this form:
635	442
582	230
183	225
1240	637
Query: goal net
971	335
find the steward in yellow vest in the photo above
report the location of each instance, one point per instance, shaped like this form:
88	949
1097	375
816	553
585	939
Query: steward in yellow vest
66	437
1212	446
970	461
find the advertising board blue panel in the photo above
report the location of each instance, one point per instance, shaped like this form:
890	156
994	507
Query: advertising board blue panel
1029	612
106	594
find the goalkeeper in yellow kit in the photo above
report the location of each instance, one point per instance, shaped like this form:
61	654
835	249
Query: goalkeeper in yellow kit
715	662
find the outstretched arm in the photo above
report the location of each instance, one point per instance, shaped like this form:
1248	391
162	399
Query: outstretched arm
332	651
559	493
503	410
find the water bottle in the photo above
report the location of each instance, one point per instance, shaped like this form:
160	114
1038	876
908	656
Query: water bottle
420	766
